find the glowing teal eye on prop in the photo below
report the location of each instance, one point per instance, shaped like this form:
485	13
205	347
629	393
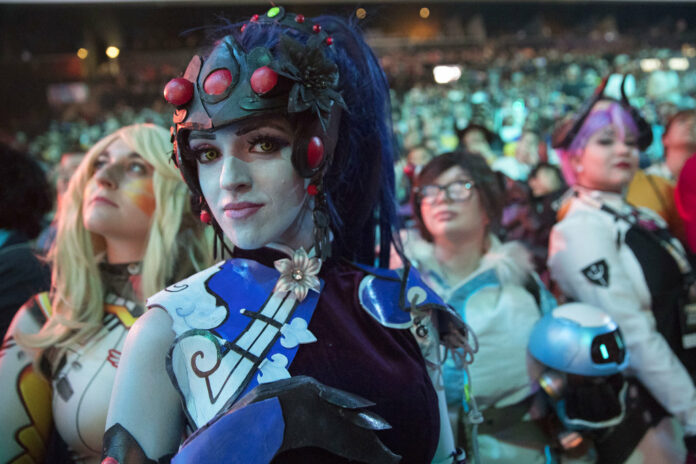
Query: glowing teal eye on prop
273	12
603	350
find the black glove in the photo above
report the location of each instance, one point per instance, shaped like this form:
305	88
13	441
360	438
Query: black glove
313	415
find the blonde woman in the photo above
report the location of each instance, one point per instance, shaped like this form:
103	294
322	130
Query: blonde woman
125	231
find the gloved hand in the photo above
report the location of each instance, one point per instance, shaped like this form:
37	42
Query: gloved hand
289	414
690	442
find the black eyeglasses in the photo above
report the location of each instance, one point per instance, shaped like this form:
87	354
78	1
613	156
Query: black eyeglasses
458	190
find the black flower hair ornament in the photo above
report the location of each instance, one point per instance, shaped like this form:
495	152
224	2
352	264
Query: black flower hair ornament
314	75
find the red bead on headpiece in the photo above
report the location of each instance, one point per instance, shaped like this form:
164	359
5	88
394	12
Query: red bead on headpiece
217	81
315	152
263	80
316	28
254	18
178	91
299	18
205	217
409	170
329	40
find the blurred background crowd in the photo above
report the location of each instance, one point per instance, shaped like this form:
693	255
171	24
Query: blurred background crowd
504	66
489	78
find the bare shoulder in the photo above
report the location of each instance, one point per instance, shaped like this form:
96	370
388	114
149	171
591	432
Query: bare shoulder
154	325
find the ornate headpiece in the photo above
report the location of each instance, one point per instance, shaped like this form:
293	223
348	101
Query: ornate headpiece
232	84
564	135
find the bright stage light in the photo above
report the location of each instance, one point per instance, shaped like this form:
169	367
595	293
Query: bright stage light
650	64
678	64
112	52
446	74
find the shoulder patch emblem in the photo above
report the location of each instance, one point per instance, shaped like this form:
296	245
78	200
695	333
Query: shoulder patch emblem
597	273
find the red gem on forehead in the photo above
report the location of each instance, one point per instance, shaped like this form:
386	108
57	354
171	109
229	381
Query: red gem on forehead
316	28
217	82
299	18
263	80
254	18
312	189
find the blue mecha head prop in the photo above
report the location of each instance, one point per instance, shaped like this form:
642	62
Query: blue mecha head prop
584	355
322	76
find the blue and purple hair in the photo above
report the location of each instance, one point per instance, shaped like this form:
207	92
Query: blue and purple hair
614	114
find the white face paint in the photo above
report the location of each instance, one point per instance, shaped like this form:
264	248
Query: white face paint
249	182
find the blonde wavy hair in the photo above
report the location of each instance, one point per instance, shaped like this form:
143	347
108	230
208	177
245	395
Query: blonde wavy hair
176	246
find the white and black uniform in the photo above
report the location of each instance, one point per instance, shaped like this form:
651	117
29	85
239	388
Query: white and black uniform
63	421
609	254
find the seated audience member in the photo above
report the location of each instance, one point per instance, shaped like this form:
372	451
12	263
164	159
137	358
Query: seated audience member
685	199
679	142
477	138
546	179
530	211
65	169
25	197
457	203
526	155
653	188
125	229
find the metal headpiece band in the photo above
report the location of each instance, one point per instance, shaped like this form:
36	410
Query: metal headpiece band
564	135
232	84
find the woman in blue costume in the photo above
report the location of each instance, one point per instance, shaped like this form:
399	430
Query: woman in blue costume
295	349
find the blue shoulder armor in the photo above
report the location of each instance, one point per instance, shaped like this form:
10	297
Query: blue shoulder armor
389	295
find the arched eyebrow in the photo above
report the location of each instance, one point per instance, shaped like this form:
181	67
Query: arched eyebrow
253	125
275	122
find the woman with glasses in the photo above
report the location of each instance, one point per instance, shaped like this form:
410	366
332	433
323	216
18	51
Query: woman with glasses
605	252
457	203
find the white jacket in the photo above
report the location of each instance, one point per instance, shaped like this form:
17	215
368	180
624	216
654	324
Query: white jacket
590	261
493	300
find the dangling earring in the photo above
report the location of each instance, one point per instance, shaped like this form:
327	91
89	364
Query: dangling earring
205	217
219	236
320	216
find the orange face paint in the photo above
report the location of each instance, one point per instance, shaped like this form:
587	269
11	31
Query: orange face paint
140	192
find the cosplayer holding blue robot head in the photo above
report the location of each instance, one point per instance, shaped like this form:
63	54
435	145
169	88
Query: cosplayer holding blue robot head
295	349
605	252
583	356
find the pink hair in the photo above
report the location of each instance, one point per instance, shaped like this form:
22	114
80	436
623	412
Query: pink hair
613	114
